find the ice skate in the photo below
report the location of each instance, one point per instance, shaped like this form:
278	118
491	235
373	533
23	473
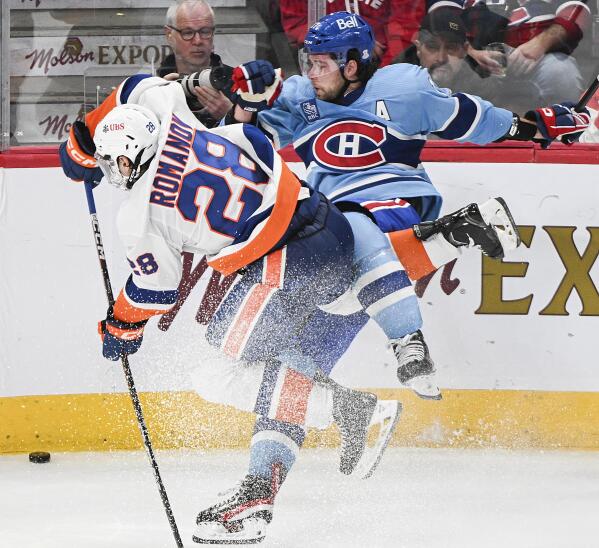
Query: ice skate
357	414
415	368
242	517
489	226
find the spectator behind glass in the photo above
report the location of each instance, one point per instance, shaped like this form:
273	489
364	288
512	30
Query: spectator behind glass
189	31
440	47
394	22
541	36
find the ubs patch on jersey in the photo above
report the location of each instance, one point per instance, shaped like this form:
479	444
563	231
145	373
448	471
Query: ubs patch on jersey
310	110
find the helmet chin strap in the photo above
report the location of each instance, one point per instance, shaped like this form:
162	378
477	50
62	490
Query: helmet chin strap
136	170
343	90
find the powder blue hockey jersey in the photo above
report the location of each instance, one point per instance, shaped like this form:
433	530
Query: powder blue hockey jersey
368	148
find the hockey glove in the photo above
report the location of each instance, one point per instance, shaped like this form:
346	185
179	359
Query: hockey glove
257	85
559	122
120	338
77	172
80	145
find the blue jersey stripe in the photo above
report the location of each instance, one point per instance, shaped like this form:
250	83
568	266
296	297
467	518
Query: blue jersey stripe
261	144
381	287
244	230
129	85
336	196
149	296
463	120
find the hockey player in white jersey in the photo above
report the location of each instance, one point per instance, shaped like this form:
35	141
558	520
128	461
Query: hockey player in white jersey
226	193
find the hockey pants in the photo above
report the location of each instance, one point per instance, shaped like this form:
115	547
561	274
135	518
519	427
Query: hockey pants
257	327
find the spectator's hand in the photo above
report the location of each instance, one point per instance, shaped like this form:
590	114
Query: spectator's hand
215	102
525	57
171	76
489	61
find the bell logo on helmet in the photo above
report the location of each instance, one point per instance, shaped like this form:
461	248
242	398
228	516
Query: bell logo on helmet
337	34
349	23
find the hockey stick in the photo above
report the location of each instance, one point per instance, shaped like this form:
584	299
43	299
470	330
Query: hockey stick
587	95
582	103
91	204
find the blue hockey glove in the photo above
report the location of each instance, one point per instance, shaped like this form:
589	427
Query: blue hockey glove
257	85
120	338
559	122
77	155
77	172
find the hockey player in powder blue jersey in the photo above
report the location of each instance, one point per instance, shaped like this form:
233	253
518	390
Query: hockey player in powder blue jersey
360	132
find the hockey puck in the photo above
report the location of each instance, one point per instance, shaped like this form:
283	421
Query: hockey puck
39	457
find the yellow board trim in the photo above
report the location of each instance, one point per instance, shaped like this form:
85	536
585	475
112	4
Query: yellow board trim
464	418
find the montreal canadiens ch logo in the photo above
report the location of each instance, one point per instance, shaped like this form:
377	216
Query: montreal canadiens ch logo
350	145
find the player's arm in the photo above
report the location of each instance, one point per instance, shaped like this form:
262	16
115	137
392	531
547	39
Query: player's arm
257	85
150	290
276	112
558	122
467	118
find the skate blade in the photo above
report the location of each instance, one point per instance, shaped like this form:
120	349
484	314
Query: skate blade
252	532
496	213
424	387
385	416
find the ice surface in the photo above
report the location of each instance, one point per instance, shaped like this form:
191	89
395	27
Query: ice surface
418	498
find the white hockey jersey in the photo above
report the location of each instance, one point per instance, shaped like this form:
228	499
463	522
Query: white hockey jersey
224	193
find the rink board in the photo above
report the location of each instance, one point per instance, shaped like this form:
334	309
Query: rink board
514	341
514	419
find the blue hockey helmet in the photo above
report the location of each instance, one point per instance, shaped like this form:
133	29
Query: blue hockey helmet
337	34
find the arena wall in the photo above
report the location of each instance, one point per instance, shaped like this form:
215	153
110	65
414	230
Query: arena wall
513	340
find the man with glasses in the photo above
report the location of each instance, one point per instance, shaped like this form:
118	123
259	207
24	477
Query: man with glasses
189	32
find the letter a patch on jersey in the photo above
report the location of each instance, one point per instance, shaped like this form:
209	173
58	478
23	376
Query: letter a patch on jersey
310	110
